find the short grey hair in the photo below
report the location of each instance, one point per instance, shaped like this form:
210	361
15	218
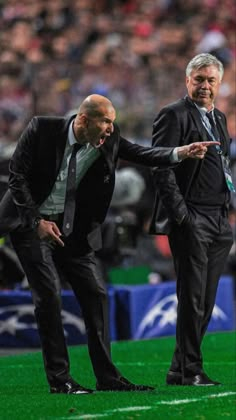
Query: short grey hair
204	60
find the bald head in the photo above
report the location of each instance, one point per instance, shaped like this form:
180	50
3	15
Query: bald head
95	106
94	121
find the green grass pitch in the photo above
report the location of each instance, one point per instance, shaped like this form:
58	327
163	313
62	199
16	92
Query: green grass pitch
24	391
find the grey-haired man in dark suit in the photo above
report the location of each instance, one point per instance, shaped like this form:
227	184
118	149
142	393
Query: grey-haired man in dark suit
191	208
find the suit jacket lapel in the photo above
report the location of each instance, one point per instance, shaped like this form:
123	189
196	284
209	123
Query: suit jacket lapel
107	155
61	144
222	125
197	119
223	130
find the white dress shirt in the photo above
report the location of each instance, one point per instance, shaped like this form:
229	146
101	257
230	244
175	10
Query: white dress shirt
84	159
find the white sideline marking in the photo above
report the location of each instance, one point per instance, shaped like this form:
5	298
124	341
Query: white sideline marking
188	401
146	408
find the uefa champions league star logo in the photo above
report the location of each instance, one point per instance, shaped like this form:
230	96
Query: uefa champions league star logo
161	318
21	317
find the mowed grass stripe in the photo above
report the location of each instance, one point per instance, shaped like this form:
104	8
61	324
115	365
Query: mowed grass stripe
24	391
168	363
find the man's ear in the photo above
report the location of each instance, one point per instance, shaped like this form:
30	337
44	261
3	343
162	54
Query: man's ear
84	120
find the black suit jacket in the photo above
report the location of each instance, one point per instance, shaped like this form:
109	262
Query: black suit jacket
35	165
179	124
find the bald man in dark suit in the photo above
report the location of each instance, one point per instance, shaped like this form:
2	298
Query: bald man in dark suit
49	236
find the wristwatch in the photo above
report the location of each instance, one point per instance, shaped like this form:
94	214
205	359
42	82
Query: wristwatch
36	222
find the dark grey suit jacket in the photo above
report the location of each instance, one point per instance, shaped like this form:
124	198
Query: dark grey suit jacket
179	124
35	165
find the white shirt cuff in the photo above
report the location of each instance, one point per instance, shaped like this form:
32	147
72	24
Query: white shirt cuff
174	156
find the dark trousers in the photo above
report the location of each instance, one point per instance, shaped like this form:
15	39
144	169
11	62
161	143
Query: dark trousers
42	262
199	248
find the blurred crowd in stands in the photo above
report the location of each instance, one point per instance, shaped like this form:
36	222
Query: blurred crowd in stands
53	53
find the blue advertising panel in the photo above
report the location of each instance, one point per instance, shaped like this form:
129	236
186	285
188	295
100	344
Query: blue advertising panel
150	311
136	312
18	327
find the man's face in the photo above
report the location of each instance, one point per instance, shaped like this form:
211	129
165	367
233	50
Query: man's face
203	85
101	127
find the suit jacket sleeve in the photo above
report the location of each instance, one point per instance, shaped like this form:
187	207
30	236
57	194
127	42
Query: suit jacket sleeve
167	132
147	156
20	177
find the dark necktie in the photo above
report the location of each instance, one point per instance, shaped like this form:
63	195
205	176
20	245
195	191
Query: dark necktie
69	208
214	128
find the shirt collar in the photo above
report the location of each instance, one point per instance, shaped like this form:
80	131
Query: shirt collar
71	136
203	111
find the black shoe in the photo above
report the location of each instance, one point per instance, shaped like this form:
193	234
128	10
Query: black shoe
70	387
200	380
174	378
123	385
